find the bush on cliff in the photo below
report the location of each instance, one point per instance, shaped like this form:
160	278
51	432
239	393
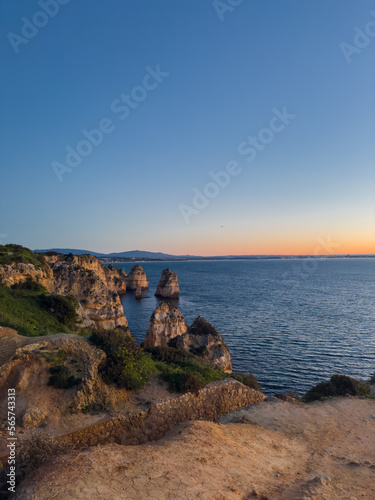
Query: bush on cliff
126	364
61	378
63	307
338	386
247	379
29	285
184	371
24	309
12	253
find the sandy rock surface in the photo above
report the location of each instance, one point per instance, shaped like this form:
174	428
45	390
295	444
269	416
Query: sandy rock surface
272	450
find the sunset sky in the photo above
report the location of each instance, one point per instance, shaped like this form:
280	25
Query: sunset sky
223	130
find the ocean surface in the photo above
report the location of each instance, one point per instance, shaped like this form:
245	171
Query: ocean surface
293	323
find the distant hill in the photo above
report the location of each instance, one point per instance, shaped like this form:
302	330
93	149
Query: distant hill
74	251
129	254
143	254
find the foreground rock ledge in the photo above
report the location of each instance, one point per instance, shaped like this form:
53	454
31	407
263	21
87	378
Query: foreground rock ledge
322	451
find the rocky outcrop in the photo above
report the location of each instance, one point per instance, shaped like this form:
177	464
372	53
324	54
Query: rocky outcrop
136	278
168	285
31	367
166	323
202	339
19	272
95	286
168	328
138	293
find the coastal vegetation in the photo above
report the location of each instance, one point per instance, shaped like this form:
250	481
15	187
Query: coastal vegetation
12	253
338	386
126	365
29	309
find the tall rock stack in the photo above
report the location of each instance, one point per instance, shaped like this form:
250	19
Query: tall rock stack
168	286
166	323
136	278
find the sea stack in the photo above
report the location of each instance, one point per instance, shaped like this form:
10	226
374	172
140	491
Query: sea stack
205	341
166	323
136	278
138	293
168	286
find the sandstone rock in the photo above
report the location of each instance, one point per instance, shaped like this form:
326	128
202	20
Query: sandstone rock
136	278
166	323
19	272
33	417
168	285
28	371
290	397
95	286
204	340
138	293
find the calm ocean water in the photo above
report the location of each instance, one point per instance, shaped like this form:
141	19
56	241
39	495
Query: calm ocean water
293	323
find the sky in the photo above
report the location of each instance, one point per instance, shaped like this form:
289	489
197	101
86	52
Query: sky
199	127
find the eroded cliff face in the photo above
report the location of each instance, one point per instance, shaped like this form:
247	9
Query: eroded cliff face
19	272
168	285
95	286
204	340
166	323
136	278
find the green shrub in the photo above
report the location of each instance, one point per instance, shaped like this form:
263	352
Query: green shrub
247	379
338	386
182	380
61	377
126	365
63	307
29	285
25	310
169	354
12	253
54	357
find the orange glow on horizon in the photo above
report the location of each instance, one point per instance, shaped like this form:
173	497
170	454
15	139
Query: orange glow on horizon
318	246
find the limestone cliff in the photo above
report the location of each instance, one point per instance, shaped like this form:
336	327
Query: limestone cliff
136	278
95	286
166	323
204	340
168	285
19	272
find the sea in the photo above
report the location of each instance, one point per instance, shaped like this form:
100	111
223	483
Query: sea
291	322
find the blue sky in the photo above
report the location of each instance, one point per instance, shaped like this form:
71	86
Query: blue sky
225	77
